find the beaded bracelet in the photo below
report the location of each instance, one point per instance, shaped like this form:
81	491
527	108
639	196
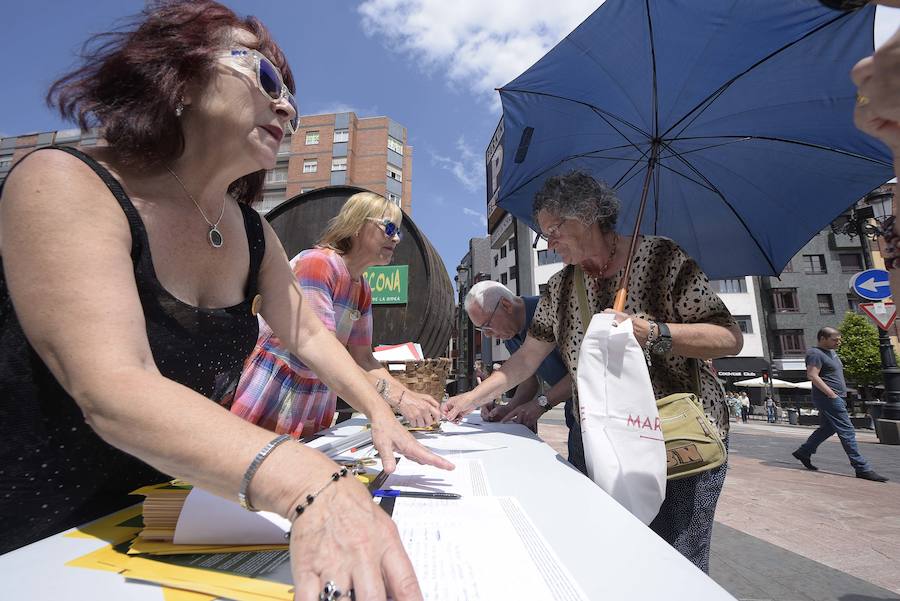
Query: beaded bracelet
890	250
298	511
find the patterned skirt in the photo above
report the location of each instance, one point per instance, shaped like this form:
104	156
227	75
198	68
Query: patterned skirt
283	398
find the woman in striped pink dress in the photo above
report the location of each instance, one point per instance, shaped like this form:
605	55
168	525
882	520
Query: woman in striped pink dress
278	391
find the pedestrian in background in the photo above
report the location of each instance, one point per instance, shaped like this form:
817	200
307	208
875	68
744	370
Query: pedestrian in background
826	372
770	409
745	407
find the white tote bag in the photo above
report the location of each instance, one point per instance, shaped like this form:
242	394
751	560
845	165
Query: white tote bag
623	442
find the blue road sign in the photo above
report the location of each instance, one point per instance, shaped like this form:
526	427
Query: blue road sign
871	284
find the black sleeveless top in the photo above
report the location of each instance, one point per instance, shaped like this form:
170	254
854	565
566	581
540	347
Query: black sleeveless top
55	472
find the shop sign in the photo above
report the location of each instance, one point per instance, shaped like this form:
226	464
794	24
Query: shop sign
389	284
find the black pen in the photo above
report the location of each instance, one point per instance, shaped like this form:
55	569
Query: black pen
386	492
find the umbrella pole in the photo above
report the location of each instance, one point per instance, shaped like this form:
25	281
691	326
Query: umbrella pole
622	292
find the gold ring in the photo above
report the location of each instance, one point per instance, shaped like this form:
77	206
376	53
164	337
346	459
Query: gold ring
861	100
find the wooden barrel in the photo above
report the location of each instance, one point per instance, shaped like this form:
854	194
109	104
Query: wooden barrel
427	317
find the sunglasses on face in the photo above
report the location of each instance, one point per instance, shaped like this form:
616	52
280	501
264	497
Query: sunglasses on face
268	80
389	228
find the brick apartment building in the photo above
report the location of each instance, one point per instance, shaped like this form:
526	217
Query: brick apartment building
331	149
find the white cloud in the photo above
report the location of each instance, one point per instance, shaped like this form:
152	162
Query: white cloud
481	218
480	44
326	108
467	167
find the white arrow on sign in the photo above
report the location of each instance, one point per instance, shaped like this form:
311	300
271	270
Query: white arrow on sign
871	285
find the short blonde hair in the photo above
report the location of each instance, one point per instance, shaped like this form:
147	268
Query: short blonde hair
342	227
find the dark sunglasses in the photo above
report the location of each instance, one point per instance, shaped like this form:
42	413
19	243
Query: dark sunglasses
268	80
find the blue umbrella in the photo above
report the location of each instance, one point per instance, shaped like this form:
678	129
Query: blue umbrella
726	126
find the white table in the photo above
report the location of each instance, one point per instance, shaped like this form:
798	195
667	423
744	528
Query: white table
611	554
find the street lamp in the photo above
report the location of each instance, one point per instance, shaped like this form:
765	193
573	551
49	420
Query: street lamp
878	205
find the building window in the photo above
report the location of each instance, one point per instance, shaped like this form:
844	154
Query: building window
727	286
850	262
789	268
496	260
790	342
853	303
341	135
310	165
276	175
744	323
548	257
339	164
503	278
269	201
814	264
826	304
394	198
514	272
785	300
503	252
395	145
312	137
394	173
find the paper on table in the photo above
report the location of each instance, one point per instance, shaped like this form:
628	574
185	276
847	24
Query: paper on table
454	443
458	549
468	479
207	519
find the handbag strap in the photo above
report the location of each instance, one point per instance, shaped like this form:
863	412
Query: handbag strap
582	298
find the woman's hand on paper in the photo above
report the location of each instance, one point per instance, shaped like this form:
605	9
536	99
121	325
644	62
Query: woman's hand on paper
346	538
389	436
460	405
420	410
640	326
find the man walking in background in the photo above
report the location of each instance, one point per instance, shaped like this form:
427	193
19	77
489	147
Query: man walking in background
826	372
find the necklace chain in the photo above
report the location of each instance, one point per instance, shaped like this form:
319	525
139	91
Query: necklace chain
215	236
609	260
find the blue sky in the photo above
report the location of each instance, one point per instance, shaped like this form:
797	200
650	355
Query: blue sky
431	65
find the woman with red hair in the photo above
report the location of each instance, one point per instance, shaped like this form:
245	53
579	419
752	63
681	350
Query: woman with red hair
119	359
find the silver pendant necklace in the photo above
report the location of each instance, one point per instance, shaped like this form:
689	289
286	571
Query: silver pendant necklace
214	235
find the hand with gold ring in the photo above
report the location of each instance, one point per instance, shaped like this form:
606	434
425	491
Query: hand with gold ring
877	108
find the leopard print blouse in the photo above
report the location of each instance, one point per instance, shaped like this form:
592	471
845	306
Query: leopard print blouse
665	285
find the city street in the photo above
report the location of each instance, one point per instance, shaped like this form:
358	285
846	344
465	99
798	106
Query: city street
784	533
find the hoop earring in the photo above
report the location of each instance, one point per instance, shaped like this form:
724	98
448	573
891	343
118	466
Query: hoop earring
179	108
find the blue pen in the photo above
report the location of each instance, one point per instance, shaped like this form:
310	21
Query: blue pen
387	492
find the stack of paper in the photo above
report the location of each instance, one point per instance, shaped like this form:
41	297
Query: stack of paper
408	351
463	548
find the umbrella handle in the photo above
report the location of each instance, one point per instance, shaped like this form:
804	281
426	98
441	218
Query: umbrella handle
619	304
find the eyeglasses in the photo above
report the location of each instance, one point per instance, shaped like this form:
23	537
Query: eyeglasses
487	325
268	80
389	228
552	232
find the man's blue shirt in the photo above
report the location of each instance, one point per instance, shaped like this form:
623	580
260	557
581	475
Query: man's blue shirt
552	369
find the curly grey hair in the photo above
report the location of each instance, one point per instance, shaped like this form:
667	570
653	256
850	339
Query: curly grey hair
577	195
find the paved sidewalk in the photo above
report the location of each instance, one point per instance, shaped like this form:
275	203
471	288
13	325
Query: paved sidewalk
787	534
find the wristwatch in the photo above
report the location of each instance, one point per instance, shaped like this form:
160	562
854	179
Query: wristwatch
544	403
662	342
